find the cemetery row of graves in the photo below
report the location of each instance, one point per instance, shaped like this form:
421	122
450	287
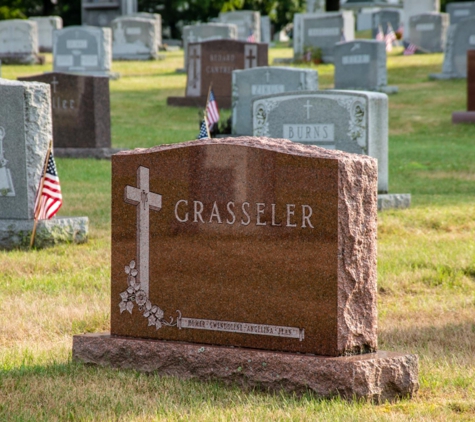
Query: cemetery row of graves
250	275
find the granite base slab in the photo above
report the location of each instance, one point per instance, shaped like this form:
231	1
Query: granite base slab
282	60
223	102
114	76
463	117
17	233
444	76
391	201
376	376
390	89
99	153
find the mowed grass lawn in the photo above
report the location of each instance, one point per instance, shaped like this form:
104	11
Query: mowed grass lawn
426	267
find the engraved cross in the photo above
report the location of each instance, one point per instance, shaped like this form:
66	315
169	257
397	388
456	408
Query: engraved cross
191	37
251	58
194	60
145	201
54	82
308	107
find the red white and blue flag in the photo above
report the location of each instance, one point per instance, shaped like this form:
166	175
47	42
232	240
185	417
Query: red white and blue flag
49	199
390	37
203	130
410	49
380	34
212	112
251	37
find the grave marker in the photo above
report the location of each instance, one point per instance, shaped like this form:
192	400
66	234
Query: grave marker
383	17
46	25
413	8
19	42
103	12
460	10
428	31
247	23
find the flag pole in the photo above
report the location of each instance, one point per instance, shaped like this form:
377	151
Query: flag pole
38	195
206	108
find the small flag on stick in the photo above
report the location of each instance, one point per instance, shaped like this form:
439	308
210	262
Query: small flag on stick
410	49
212	111
251	37
380	34
390	37
203	130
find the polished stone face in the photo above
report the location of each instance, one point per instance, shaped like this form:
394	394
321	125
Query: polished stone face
246	242
81	109
471	80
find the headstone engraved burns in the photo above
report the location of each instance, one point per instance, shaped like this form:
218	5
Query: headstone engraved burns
247	213
19	42
212	62
25	134
81	114
252	83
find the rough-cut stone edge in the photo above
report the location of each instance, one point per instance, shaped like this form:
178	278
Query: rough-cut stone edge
393	201
377	376
357	208
17	233
99	153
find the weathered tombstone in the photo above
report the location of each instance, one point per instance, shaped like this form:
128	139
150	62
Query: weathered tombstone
212	62
280	246
103	12
154	16
81	114
322	30
460	39
46	25
469	115
252	83
19	41
428	31
460	10
265	30
25	134
417	7
351	121
206	32
134	38
362	65
82	49
383	17
248	23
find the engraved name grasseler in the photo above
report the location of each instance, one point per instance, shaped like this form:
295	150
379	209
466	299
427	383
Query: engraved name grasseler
138	272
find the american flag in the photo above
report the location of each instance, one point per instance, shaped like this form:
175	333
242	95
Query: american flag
203	130
251	37
410	49
212	112
390	37
380	34
49	200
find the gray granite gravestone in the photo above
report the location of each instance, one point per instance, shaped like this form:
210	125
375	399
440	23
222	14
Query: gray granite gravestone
361	65
46	25
206	32
134	38
382	18
265	29
247	22
253	83
428	31
460	39
417	7
322	30
82	49
25	133
19	41
154	16
460	10
81	114
103	12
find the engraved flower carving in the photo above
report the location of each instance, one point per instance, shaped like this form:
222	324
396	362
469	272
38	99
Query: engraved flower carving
132	272
127	300
141	298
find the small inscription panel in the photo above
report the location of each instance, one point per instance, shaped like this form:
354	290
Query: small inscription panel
90	60
356	59
133	31
64	60
310	133
267	89
461	12
425	27
323	32
76	44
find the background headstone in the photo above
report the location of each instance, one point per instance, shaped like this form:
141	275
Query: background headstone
81	110
265	30
46	25
212	62
417	7
252	83
460	10
315	6
322	30
361	65
460	39
428	31
247	22
19	41
351	121
134	38
103	12
383	17
205	32
154	16
82	49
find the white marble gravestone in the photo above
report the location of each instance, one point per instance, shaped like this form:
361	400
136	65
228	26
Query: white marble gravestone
247	22
351	121
206	32
459	11
154	16
82	49
460	39
428	31
19	41
252	83
134	38
322	30
46	25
